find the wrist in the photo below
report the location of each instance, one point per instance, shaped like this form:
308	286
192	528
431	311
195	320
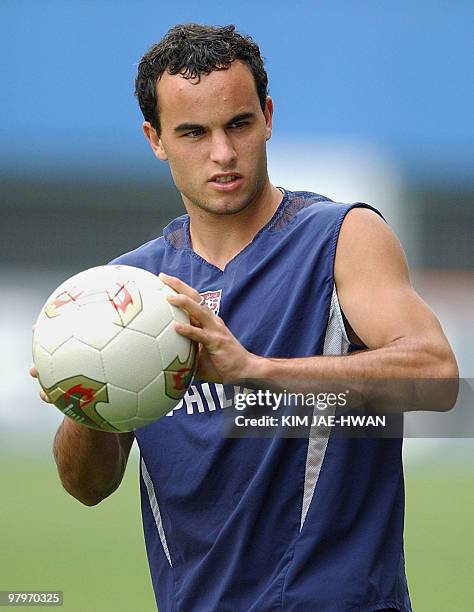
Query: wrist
257	368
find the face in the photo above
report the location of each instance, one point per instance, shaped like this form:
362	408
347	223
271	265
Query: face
213	134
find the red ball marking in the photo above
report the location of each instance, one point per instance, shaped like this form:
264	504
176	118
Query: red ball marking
81	395
180	379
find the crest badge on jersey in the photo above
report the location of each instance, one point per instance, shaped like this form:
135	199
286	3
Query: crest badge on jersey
212	299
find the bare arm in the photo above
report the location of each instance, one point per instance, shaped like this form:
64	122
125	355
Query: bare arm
90	463
404	339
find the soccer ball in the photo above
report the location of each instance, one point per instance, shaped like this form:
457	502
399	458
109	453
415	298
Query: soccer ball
106	350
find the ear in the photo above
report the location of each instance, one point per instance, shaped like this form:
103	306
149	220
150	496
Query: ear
268	113
155	141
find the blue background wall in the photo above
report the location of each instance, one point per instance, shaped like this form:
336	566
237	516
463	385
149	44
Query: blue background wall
394	74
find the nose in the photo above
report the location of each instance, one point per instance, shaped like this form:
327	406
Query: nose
222	150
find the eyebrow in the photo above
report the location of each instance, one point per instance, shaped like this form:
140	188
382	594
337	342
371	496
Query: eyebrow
241	117
189	127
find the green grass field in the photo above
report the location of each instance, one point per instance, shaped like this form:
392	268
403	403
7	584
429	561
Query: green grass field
439	537
51	542
97	556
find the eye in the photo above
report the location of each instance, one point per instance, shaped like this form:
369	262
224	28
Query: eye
194	133
238	125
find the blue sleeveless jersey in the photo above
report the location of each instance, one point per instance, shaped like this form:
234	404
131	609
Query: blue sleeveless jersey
267	524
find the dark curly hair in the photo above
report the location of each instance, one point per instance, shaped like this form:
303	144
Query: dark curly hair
192	50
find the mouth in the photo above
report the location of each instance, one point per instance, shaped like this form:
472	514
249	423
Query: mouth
225	181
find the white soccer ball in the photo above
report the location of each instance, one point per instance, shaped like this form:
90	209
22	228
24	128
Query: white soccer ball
106	350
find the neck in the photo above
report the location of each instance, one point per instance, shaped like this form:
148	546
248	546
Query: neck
219	238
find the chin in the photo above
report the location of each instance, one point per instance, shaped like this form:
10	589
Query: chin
229	208
223	207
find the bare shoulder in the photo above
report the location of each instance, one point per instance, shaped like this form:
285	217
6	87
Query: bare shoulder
366	247
372	282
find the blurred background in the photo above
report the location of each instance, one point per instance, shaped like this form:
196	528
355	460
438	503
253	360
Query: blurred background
373	102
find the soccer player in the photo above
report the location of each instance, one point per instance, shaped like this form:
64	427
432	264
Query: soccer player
279	286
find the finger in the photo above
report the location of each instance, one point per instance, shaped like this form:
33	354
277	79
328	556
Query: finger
33	372
44	397
191	332
200	313
180	286
194	322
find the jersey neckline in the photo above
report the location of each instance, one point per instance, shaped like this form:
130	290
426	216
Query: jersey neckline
274	218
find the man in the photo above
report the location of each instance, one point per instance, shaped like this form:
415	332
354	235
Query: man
307	524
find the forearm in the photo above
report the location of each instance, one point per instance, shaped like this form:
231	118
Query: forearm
408	374
90	463
405	339
402	359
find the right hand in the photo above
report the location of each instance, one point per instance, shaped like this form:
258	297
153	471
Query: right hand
43	395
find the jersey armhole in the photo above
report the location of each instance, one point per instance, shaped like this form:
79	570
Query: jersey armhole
336	340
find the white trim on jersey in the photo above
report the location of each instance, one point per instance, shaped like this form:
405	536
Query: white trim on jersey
155	509
336	342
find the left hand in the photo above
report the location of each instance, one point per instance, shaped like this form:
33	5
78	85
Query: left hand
221	357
